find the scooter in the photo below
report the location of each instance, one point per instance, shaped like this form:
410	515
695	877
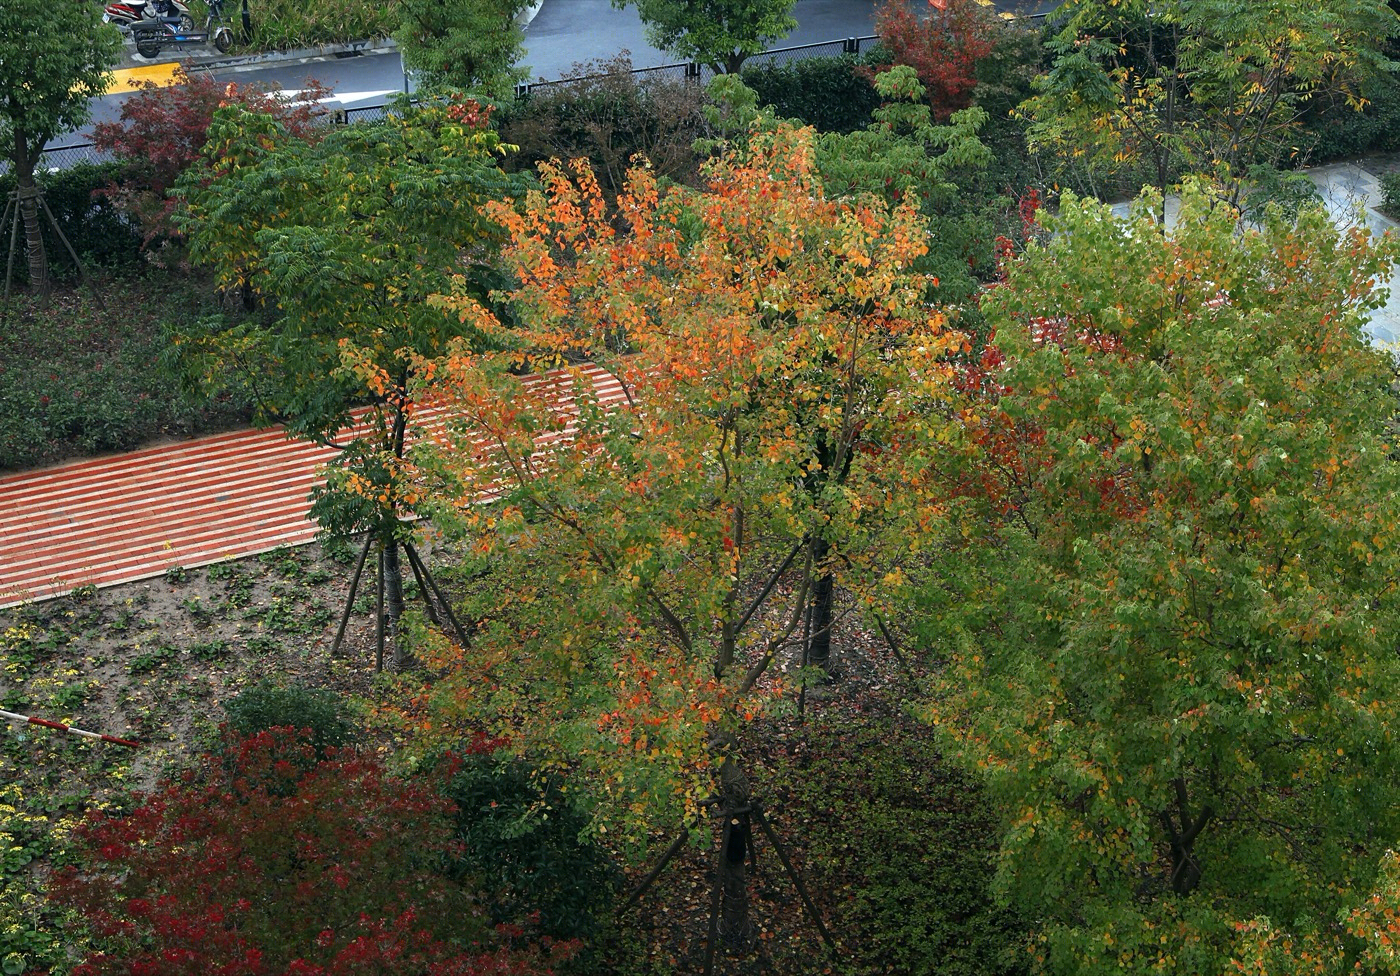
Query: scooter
124	13
154	33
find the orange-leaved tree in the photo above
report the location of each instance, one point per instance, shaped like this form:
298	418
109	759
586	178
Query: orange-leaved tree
731	372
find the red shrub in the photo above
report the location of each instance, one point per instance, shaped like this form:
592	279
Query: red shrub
944	48
265	861
162	131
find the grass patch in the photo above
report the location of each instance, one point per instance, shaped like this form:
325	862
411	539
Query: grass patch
79	378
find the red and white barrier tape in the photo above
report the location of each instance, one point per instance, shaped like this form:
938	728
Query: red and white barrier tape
46	723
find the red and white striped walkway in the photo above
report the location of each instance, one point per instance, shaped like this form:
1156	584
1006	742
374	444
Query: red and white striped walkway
133	516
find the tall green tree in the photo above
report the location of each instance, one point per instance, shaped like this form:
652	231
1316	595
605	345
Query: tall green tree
719	33
467	45
341	241
1165	632
1199	86
54	58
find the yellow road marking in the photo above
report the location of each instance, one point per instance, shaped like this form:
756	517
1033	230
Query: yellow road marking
130	79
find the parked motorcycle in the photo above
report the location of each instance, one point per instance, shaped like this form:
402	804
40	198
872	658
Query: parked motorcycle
154	33
124	13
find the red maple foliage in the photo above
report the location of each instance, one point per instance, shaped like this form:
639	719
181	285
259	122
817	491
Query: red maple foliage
162	131
266	860
944	48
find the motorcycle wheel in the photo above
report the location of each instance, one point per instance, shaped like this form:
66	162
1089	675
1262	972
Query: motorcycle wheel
147	43
186	24
223	39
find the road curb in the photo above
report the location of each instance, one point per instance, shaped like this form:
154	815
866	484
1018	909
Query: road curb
131	59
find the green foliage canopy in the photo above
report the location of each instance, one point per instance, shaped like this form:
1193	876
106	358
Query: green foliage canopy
470	45
1166	627
720	33
344	238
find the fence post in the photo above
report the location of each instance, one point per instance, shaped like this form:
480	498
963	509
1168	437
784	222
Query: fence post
850	45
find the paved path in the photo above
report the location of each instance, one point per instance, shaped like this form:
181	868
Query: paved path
133	516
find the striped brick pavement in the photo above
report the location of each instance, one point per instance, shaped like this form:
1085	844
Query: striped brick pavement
133	516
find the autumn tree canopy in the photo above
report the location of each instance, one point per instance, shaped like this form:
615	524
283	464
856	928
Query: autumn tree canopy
759	344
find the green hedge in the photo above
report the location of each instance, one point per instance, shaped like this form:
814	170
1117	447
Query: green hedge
78	377
832	94
1334	130
102	235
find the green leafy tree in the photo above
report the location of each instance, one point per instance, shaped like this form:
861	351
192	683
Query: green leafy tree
719	33
342	240
468	45
54	58
1165	625
1207	86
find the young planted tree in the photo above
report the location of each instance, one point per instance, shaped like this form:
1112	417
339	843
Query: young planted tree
343	240
54	58
1166	630
1208	87
669	502
718	33
464	45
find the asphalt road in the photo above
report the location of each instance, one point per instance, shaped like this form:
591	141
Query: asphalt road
564	34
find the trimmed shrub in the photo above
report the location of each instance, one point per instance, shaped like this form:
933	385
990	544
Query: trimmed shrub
1390	195
608	115
913	843
831	94
80	378
103	236
1332	129
521	838
317	711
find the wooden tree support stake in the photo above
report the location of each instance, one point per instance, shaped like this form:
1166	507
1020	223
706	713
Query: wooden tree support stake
423	586
417	561
655	872
379	616
12	214
77	261
792	874
350	599
712	939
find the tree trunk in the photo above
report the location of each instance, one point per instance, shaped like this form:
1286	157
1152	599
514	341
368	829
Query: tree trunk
821	612
25	158
735	929
393	610
1181	836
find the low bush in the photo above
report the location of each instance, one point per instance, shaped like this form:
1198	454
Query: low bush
1332	129
608	114
1390	195
81	378
522	839
103	236
909	844
275	864
831	94
321	714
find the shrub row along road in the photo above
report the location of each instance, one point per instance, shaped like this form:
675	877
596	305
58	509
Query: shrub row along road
562	34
